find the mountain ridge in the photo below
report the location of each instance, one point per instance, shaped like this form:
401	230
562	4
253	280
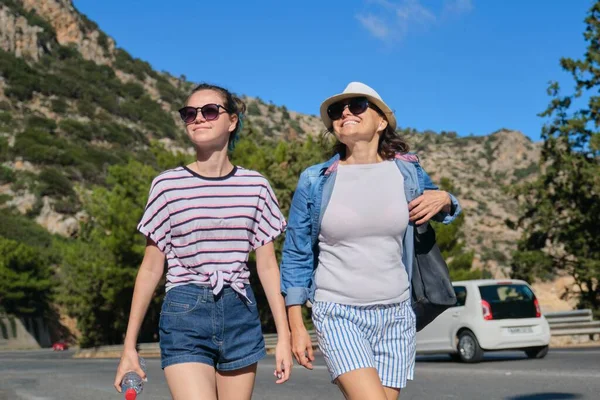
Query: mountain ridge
65	83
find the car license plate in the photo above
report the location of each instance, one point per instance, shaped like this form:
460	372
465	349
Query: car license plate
520	329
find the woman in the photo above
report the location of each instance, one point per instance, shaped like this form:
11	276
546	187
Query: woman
204	219
349	247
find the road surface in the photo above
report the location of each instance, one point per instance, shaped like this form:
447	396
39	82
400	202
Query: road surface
562	375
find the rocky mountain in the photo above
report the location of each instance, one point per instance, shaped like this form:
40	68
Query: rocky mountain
483	169
72	103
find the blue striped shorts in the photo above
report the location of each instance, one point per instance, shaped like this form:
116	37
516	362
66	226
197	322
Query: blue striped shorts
379	336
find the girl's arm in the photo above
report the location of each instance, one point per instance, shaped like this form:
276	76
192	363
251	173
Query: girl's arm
149	274
268	273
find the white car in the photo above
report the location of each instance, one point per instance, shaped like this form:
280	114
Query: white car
489	315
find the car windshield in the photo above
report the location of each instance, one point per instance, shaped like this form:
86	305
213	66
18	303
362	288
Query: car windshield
509	300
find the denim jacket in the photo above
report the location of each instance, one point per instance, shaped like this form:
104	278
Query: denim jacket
312	195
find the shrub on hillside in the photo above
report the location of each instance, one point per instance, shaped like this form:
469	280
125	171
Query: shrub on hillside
86	108
59	106
296	125
55	184
521	173
22	80
21	229
7	175
4	149
253	109
170	93
132	90
149	113
5	118
41	123
103	42
75	129
40	147
137	67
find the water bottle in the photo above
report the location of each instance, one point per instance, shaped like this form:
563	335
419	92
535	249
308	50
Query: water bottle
132	384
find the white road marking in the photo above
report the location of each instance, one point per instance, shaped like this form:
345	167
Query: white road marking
28	396
514	372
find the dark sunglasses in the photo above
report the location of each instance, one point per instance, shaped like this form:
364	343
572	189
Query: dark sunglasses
356	105
210	112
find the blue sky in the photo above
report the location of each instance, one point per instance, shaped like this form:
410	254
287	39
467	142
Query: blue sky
470	66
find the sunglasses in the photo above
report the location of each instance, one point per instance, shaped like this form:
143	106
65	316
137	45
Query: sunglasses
210	112
356	105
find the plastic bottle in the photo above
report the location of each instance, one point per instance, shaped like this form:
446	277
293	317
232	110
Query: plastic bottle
132	384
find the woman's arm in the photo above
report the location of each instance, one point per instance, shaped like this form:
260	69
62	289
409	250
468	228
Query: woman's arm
301	341
297	268
297	256
434	203
428	205
149	274
268	273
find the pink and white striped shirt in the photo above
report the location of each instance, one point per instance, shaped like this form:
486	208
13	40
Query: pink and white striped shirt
207	227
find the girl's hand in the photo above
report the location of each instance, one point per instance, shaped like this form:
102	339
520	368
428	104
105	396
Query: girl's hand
283	360
129	362
424	207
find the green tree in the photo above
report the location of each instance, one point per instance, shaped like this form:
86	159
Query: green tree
166	159
560	211
98	270
450	239
96	290
117	209
25	278
281	163
285	115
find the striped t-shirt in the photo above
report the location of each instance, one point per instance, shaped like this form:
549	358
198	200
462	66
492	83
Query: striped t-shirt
207	227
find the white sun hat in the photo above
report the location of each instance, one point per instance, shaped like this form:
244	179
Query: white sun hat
357	89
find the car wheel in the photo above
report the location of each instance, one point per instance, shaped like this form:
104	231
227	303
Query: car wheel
469	350
537	352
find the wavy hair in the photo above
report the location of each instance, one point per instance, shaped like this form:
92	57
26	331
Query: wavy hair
390	142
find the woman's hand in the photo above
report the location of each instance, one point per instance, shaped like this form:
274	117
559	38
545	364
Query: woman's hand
283	360
302	347
129	362
431	202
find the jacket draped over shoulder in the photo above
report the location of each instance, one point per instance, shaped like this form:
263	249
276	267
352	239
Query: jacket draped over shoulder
313	192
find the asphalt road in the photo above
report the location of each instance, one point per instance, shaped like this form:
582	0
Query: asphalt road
562	375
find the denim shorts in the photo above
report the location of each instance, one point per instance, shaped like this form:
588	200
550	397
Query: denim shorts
379	336
222	331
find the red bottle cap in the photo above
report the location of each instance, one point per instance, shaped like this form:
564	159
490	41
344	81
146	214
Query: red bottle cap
130	394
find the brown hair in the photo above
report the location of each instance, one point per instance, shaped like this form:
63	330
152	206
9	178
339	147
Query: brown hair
390	142
232	103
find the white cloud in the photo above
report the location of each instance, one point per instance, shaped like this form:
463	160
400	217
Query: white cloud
457	7
392	20
376	26
411	11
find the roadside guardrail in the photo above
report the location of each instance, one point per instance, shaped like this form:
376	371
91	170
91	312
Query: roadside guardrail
271	340
563	323
573	323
